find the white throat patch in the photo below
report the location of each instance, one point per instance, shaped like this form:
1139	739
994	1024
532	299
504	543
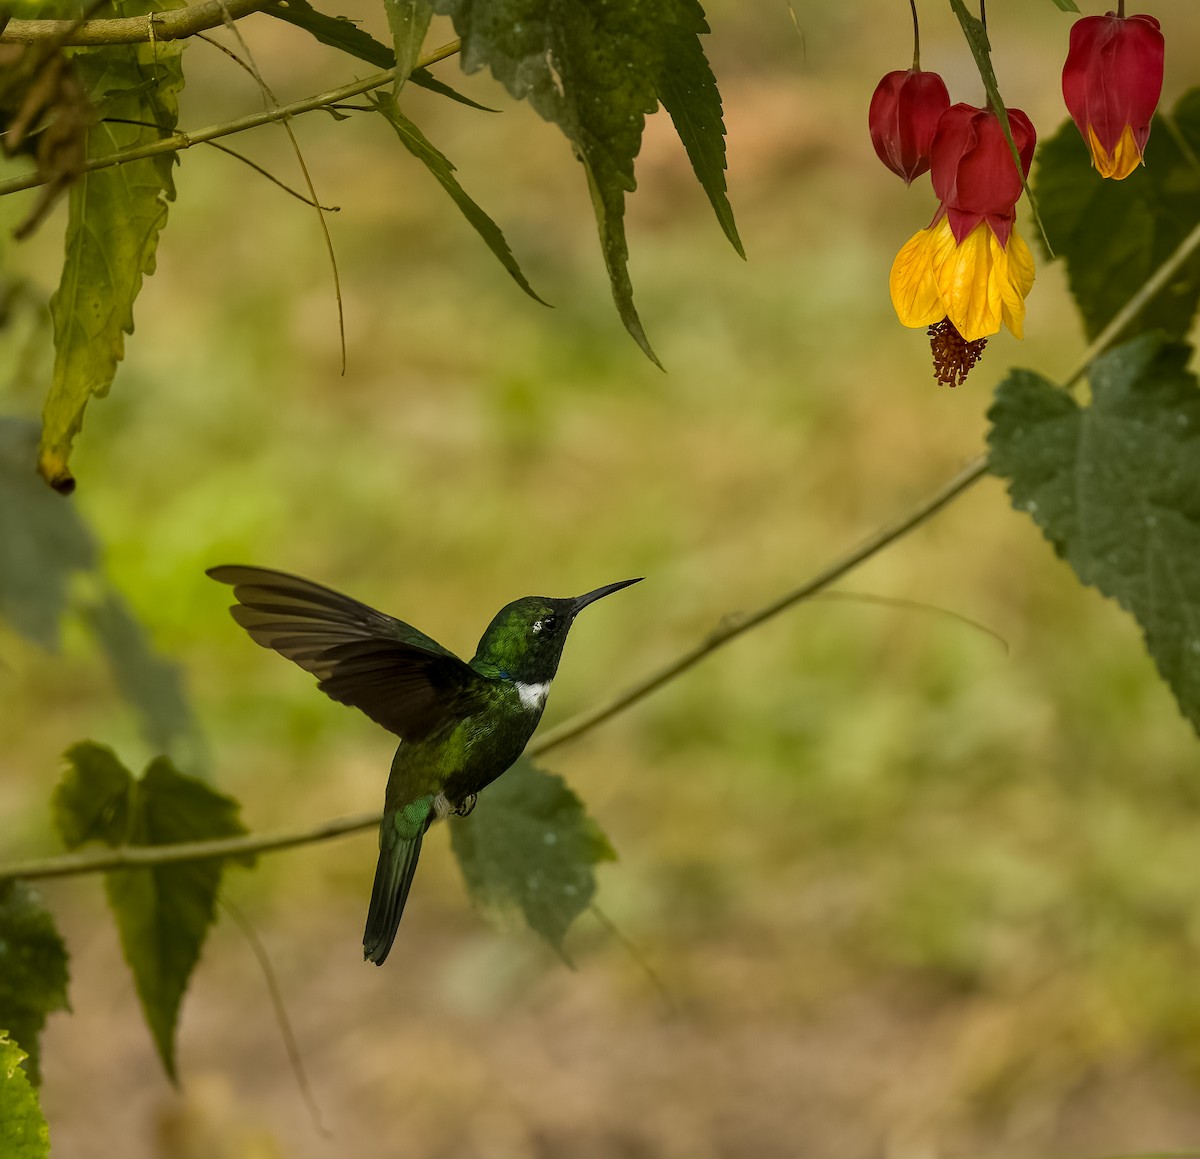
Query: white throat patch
533	696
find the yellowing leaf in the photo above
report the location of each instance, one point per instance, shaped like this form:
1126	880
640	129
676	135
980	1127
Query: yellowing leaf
116	215
23	1130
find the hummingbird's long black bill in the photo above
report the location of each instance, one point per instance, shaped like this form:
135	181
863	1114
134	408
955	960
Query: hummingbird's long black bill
582	602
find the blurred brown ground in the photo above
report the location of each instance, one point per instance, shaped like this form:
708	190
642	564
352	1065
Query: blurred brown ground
911	897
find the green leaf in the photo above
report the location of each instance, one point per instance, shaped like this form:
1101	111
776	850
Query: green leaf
44	541
152	685
1066	5
23	1130
163	914
342	33
426	79
33	969
92	801
1114	234
688	91
419	146
336	31
597	71
981	49
116	215
529	848
1115	488
409	21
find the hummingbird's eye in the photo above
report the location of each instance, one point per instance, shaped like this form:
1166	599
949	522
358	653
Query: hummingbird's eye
545	624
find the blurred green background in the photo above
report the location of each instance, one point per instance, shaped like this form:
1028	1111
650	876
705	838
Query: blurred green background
912	894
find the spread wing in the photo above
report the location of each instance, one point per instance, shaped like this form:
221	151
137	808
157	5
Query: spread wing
398	676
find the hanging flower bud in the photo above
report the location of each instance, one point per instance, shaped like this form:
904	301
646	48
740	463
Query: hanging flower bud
903	117
1111	84
969	272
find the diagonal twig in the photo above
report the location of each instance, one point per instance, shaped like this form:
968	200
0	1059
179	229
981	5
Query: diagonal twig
177	142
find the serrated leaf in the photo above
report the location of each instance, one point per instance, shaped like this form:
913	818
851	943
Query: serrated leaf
981	49
44	541
163	914
336	31
419	146
530	849
408	21
342	33
597	71
152	685
33	969
1115	488
688	91
23	1130
116	216
1113	235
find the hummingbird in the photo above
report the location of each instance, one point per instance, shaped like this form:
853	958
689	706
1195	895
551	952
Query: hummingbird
460	724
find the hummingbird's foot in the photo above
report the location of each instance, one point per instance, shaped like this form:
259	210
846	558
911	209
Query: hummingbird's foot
467	805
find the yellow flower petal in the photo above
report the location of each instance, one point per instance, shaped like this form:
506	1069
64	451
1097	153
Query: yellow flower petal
979	285
966	277
1014	288
1122	161
914	294
1020	263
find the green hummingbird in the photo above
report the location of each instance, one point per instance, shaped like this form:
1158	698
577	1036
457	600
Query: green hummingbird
460	724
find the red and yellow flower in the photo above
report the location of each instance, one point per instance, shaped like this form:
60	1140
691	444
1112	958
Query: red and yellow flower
969	272
1111	83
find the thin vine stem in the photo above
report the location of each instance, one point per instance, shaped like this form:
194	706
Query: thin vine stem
237	157
916	37
271	101
732	628
179	141
282	1018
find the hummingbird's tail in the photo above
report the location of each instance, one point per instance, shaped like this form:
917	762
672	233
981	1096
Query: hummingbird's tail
393	879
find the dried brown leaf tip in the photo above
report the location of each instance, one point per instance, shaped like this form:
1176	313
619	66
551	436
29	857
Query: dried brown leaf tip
44	114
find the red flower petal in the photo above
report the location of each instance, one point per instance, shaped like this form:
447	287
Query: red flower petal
972	167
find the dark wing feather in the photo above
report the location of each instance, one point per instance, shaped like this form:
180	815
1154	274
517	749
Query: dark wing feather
397	675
